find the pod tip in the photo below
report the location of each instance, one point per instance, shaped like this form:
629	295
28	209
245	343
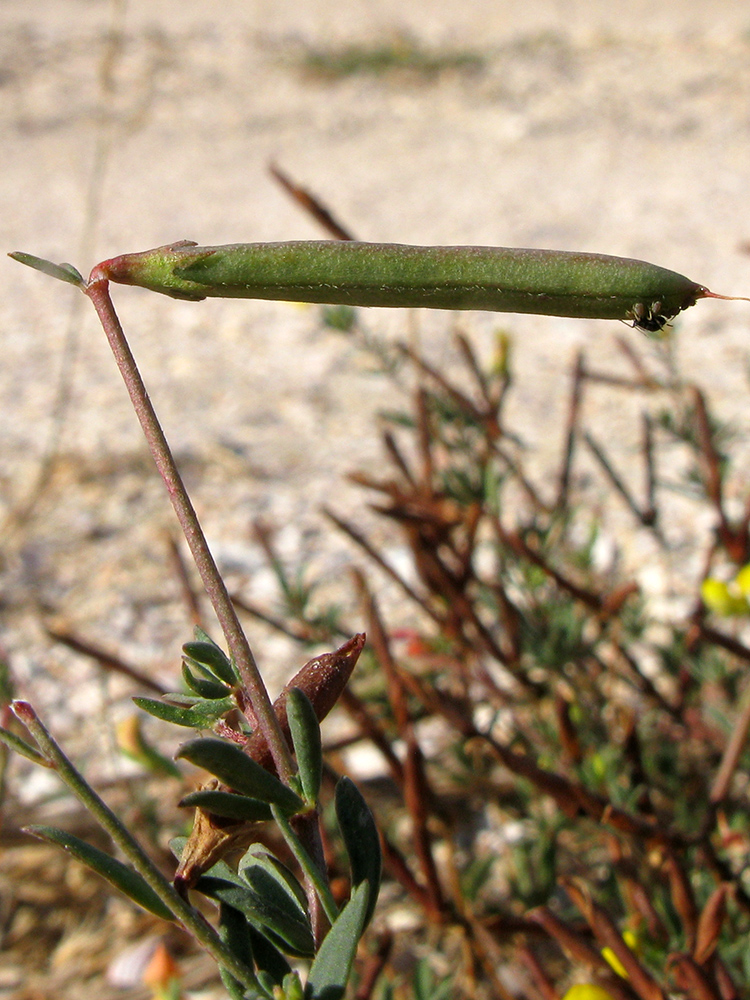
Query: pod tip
706	294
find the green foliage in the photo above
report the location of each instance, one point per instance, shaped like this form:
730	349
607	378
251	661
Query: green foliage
361	839
228	805
22	747
123	878
426	986
329	973
341	318
400	55
268	896
63	272
610	741
232	766
195	713
308	747
205	653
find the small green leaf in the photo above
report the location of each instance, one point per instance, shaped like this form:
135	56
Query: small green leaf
235	991
342	318
330	970
272	912
229	805
203	671
267	947
269	960
202	714
258	859
177	846
204	688
268	982
308	749
234	768
205	651
475	875
128	881
63	272
361	839
18	745
233	931
292	987
280	900
426	987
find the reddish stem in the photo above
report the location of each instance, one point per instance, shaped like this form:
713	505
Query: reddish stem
97	290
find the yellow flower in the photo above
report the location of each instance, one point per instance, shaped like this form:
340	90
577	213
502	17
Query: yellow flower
609	956
587	991
727	599
743	580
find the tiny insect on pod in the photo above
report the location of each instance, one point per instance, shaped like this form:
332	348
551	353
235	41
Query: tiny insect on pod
498	279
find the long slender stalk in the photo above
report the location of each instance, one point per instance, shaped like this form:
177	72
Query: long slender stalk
188	917
97	290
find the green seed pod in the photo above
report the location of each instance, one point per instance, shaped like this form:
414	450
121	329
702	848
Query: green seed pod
499	279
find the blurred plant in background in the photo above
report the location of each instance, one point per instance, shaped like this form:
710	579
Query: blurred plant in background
565	771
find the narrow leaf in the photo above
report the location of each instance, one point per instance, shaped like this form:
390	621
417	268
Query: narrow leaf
63	272
177	846
121	876
258	859
272	913
201	669
237	992
267	981
268	958
229	805
330	970
205	651
234	932
201	715
234	768
361	839
292	987
308	749
210	689
20	746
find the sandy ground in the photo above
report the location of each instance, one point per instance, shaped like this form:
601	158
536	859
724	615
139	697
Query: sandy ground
621	128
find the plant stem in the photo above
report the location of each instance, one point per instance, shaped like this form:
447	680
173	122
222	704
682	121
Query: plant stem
313	875
190	918
97	290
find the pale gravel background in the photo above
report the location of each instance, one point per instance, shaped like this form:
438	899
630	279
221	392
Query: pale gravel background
614	127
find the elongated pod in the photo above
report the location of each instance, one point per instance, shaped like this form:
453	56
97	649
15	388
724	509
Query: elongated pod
499	279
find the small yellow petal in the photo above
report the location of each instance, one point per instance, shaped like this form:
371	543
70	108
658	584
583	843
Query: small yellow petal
718	598
587	991
609	956
743	580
